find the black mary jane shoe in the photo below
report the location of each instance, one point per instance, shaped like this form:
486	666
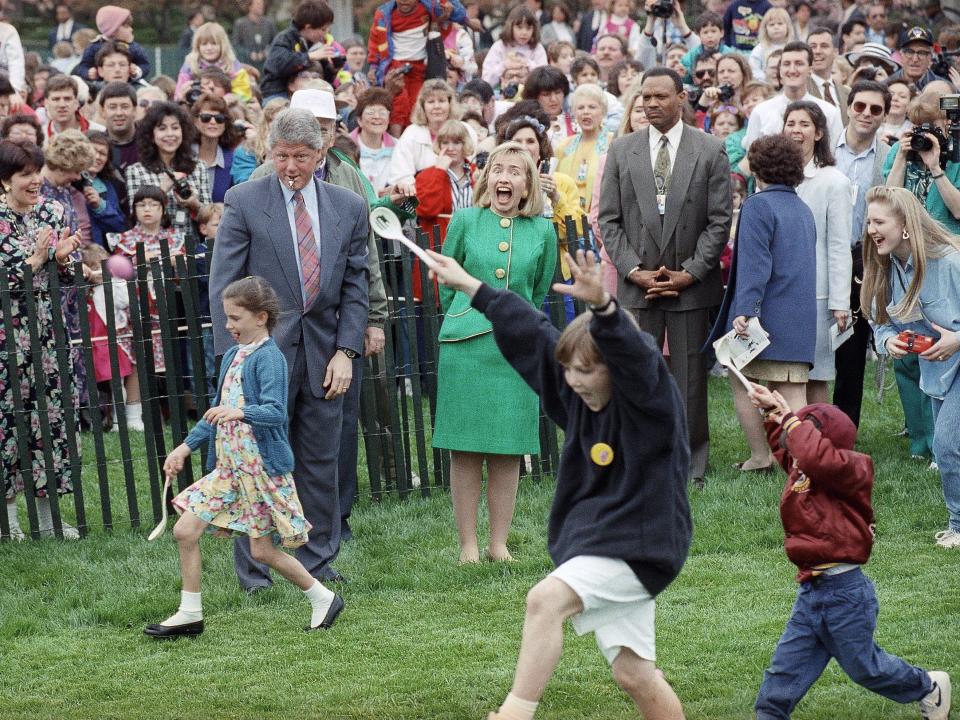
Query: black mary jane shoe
165	632
336	607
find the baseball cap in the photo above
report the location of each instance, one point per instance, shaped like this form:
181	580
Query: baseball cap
319	102
916	34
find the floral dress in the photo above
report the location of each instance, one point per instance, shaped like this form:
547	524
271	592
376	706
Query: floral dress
239	495
17	242
125	243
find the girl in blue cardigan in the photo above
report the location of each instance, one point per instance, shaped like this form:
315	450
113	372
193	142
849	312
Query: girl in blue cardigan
250	490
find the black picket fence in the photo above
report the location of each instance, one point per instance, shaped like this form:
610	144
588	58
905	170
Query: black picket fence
397	399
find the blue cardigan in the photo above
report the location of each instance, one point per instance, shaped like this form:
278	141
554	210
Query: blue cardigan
774	274
264	377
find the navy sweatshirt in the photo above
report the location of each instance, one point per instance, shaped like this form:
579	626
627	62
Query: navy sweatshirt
635	508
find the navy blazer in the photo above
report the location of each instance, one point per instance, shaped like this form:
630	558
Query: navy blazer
223	177
254	238
774	274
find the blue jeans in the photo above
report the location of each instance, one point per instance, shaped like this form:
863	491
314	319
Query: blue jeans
946	449
834	617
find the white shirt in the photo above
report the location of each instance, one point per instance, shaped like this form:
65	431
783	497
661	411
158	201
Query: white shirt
821	83
767	119
673	136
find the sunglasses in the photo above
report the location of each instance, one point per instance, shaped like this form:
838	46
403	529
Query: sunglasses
875	110
706	72
218	118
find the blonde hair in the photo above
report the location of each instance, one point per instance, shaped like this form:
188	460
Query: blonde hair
261	145
532	204
776	13
455	130
435	86
211	31
69	151
927	238
591	92
206	212
633	94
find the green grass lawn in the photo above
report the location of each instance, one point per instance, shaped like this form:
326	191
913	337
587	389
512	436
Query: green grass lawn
424	638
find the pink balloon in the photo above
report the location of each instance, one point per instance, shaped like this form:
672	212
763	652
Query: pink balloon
120	267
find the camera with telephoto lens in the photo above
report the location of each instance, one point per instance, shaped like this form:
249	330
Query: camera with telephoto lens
941	63
192	93
950	106
726	92
920	142
510	91
662	8
180	185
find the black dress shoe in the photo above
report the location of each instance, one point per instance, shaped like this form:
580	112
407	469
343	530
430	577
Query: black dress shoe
331	575
162	632
336	607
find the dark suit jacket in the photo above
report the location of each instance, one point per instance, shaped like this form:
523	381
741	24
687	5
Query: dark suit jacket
52	35
254	238
695	227
842	90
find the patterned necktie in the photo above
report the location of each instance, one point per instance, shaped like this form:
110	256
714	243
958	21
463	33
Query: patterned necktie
827	95
307	244
661	169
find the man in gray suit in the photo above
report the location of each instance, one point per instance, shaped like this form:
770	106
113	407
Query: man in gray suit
308	239
665	216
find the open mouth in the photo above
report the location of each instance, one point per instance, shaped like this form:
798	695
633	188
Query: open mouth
504	194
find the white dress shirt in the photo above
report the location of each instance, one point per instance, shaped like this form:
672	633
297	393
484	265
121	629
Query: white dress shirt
821	84
673	136
767	119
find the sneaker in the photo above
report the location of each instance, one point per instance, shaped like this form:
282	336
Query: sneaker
936	704
933	466
16	534
948	538
69	532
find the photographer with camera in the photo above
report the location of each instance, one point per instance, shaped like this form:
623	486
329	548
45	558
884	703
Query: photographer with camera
910	295
920	162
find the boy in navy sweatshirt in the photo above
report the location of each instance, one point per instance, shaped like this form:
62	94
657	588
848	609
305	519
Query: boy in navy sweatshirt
828	522
619	529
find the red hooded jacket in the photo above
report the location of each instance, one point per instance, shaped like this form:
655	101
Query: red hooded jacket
826	508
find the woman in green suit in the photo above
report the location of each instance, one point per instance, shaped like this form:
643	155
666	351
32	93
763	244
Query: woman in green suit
484	409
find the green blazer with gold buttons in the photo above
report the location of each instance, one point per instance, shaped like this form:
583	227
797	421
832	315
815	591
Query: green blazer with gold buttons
518	254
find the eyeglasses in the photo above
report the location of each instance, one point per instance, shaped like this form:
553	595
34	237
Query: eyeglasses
218	118
911	52
373	112
705	72
859	106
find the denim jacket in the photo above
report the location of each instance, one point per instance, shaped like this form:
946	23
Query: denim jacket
939	303
264	378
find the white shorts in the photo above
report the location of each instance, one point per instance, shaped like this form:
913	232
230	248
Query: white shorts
617	608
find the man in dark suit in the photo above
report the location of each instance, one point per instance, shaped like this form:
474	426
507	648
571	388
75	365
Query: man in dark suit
665	218
308	239
66	26
821	83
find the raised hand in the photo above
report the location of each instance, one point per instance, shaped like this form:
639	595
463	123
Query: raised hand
587	277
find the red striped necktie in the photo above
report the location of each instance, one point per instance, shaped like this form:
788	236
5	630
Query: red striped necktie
307	245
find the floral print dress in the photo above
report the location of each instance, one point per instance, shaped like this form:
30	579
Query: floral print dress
18	235
239	495
125	243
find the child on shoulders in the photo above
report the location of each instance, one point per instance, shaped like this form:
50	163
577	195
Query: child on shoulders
828	519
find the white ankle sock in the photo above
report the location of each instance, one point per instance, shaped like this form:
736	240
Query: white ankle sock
191	610
320	599
134	413
515	708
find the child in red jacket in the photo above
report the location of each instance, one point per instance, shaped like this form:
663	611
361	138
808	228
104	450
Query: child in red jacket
828	522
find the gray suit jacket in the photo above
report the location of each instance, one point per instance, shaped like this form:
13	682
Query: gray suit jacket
254	238
695	227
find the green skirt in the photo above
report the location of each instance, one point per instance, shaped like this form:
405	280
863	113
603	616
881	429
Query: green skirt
483	405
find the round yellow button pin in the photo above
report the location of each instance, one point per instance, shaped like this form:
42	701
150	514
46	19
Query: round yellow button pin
500	273
504	246
601	454
504	222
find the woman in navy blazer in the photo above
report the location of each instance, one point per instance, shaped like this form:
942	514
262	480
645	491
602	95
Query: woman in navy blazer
773	278
219	138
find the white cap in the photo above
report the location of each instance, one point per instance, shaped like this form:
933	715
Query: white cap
319	102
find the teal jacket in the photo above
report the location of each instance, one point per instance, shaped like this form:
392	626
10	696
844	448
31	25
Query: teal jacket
915	176
265	381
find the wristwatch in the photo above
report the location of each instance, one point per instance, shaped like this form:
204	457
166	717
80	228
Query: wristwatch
352	354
